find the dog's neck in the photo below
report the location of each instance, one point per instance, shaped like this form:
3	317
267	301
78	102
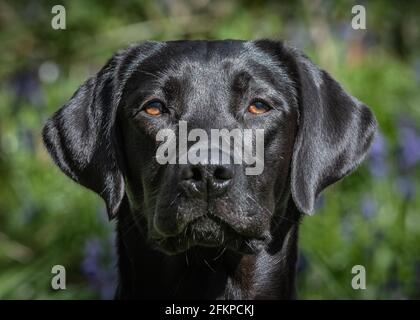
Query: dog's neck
207	273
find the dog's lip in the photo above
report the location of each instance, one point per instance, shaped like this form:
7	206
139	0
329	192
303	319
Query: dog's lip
227	237
228	228
239	231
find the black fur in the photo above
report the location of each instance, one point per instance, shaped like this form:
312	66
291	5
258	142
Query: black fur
237	244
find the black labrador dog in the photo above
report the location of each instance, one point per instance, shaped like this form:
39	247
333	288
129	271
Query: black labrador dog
208	230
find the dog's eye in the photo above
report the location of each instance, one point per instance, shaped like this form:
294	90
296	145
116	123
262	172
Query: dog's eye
258	107
154	108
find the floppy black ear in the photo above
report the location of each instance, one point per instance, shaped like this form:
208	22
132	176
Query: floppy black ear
335	131
80	138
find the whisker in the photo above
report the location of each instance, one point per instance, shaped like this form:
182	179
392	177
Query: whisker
208	265
156	76
186	257
221	253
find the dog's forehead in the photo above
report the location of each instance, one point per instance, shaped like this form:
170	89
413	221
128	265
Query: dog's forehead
206	56
204	50
219	45
192	67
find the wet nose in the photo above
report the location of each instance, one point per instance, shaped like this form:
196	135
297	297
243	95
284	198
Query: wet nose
207	180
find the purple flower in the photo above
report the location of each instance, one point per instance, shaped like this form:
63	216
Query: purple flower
27	88
91	261
98	266
409	141
377	156
368	207
406	186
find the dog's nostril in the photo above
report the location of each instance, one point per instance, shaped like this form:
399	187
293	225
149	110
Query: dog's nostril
223	173
210	180
191	173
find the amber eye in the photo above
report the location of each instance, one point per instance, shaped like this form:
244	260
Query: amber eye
258	107
154	108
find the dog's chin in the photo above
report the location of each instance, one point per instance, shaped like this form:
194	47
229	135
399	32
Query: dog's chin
207	232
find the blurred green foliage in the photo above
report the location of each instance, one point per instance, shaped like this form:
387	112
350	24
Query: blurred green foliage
371	218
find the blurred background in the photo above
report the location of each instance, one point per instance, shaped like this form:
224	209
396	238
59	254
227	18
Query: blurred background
371	218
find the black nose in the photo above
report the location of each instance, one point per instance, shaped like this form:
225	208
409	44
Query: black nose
210	180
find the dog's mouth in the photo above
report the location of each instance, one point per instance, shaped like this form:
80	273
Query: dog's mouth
210	231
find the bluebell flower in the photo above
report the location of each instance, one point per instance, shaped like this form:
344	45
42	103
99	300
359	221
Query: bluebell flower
92	256
98	266
377	156
368	207
409	142
406	186
27	88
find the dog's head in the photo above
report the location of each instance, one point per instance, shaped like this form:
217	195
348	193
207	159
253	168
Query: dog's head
207	138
